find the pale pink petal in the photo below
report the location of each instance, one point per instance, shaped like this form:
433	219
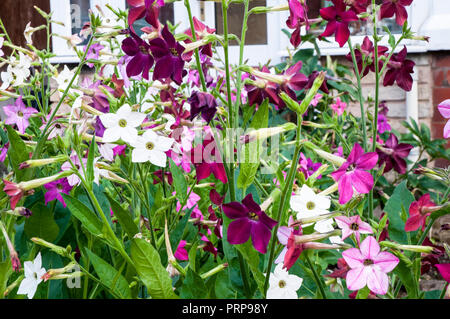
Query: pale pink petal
377	281
353	257
386	261
356	278
370	248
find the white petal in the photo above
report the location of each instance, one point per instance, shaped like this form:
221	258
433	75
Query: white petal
37	261
124	111
109	120
111	135
140	155
158	158
150	136
135	119
164	143
128	134
294	282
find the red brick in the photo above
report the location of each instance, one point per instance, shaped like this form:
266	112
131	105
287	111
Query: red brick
442	61
438	76
439	95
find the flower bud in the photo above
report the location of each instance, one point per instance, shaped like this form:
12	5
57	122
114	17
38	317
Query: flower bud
65	252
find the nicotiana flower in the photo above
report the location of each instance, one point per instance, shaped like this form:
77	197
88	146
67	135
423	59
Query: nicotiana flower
17	71
399	70
353	225
63	80
169	62
397	7
393	154
74	179
1	45
145	8
298	16
249	221
444	270
33	277
338	19
4	152
282	285
18	114
181	252
444	109
54	190
283	234
339	107
93	53
354	175
201	30
365	56
151	147
307	167
309	204
369	266
141	59
121	125
418	213
204	103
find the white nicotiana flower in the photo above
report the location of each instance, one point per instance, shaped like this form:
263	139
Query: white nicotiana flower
309	204
63	79
147	100
28	32
1	45
283	285
325	226
151	147
122	125
107	151
33	273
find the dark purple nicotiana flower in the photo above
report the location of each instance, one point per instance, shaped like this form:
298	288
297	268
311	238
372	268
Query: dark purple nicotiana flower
397	7
262	89
249	221
54	190
169	62
139	50
295	80
338	19
353	173
366	54
399	70
393	154
204	103
205	163
145	8
312	77
297	17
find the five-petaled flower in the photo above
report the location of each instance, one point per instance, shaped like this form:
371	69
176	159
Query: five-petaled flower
33	277
393	154
369	266
141	58
444	109
400	70
19	114
418	213
151	147
397	7
249	221
353	225
282	285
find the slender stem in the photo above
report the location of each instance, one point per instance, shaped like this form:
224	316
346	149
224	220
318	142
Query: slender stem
319	282
284	199
441	296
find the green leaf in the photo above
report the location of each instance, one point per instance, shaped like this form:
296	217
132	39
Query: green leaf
193	286
87	217
407	278
90	163
109	276
401	197
124	218
223	288
5	272
252	258
179	182
150	270
17	154
41	224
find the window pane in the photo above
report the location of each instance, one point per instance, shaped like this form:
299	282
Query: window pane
79	13
257	23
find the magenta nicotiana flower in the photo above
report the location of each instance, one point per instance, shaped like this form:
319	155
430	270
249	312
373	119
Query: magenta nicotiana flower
74	179
359	6
191	203
338	19
168	55
93	53
294	80
444	109
369	266
181	252
145	8
353	225
339	107
444	270
4	152
54	190
248	221
400	70
393	154
204	103
141	59
18	114
418	213
354	175
297	17
397	7
307	167
201	30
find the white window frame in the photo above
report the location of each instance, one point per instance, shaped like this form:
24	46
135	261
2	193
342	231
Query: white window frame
418	12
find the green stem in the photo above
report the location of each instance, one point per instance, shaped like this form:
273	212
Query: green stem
284	199
319	282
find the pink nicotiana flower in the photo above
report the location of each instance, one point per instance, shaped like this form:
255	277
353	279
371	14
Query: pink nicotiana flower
397	7
298	16
369	266
248	221
354	175
283	234
444	109
74	179
353	225
339	107
54	190
418	213
18	114
444	270
338	20
191	203
181	252
4	152
316	99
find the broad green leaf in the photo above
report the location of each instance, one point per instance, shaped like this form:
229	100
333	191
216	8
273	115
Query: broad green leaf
109	276
401	197
5	272
223	288
179	182
41	224
193	286
124	218
151	271
17	153
87	217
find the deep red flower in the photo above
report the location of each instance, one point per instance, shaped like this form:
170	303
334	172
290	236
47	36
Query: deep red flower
359	6
338	19
201	30
393	154
145	8
399	70
204	103
397	7
139	50
367	54
167	53
298	16
341	270
418	213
